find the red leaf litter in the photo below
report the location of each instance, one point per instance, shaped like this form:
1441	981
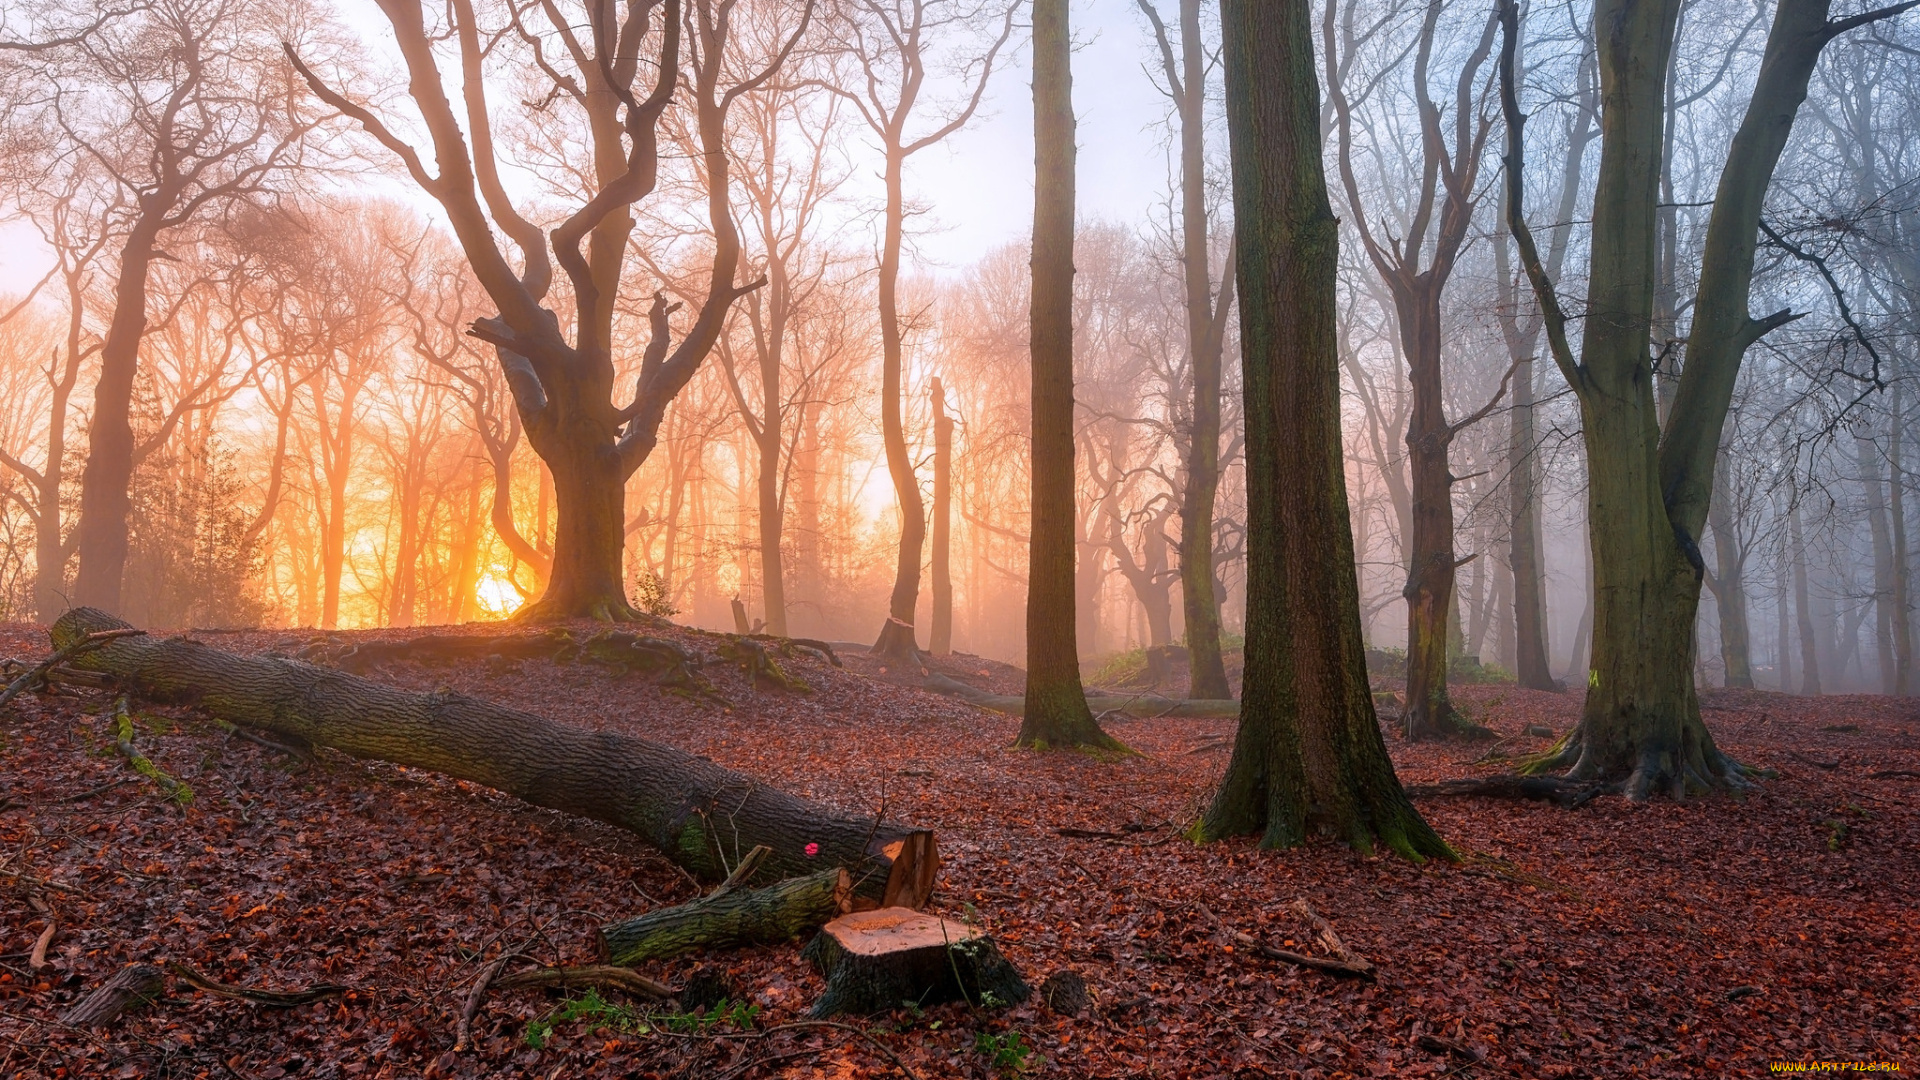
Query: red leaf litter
1699	939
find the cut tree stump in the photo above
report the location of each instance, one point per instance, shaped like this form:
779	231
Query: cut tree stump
766	916
880	960
130	988
700	815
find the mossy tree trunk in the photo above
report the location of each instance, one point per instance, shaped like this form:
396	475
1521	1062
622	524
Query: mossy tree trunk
1055	712
1649	491
1309	757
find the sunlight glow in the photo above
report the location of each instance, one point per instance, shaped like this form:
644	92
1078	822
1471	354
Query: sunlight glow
497	597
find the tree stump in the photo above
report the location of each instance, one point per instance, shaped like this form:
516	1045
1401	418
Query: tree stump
130	988
883	959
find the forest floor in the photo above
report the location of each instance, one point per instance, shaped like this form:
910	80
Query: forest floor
1698	939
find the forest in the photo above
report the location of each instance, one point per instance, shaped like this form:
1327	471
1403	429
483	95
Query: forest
958	538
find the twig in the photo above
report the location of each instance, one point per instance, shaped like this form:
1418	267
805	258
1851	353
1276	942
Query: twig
1362	970
101	790
39	958
279	999
1804	760
38	672
585	975
744	869
877	1044
463	1034
1329	940
120	729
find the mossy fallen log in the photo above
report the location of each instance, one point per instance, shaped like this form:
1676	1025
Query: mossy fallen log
700	815
725	919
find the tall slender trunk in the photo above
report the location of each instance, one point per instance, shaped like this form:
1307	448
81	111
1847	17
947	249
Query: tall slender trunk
1902	600
940	637
1803	607
1207	672
770	442
1730	590
1055	712
104	498
50	544
1866	456
1783	631
897	638
1308	758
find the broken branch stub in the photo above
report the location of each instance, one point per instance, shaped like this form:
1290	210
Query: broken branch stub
699	814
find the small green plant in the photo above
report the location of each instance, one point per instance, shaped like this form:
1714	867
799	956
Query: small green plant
651	595
737	1014
590	1007
1008	1052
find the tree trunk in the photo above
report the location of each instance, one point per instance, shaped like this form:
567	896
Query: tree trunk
1206	668
584	578
1056	713
1308	757
1730	593
1431	611
940	638
699	815
1865	455
1531	665
897	641
1904	680
104	495
1803	607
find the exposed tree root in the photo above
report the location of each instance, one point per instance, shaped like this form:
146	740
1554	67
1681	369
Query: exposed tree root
757	660
1692	765
1565	793
276	999
1145	706
1442	722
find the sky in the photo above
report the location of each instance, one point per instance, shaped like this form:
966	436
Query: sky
979	184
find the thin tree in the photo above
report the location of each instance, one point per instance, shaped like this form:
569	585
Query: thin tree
888	43
1206	337
1056	712
1442	212
1309	758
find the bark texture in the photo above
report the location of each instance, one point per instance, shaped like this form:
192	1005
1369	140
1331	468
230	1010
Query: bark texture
1309	757
700	815
876	961
1055	711
725	919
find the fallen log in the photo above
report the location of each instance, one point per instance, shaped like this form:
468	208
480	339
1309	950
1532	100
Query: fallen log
765	916
880	960
1144	706
700	815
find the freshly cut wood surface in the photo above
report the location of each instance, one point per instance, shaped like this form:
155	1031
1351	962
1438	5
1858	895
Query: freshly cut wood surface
886	930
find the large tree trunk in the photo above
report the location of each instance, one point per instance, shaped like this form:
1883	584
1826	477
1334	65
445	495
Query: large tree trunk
1865	455
104	496
698	814
584	576
940	638
1056	712
1309	758
1532	667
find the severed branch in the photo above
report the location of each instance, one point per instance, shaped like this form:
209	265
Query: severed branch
276	999
1358	968
37	674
